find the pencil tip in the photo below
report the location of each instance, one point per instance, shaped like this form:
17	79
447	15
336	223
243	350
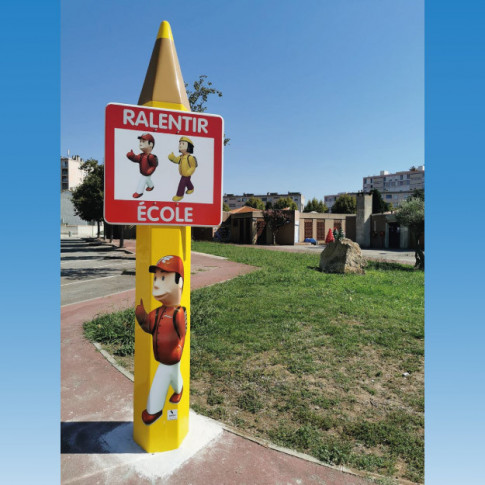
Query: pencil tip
164	84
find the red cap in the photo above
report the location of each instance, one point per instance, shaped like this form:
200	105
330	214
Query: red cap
170	264
148	137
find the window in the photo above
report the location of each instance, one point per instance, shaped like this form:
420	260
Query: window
388	196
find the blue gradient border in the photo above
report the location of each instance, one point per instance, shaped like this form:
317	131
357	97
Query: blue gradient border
30	140
455	332
455	294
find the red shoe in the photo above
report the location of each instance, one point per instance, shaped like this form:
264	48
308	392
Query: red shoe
136	195
176	397
150	418
149	189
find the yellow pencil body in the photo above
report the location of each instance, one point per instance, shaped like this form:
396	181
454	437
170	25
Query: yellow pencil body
163	88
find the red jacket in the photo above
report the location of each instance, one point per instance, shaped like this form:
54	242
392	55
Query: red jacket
148	163
168	332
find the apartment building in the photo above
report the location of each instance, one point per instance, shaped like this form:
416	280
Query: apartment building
236	201
71	173
395	187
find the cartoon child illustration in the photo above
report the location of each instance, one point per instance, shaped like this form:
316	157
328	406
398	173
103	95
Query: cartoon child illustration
168	326
148	163
187	164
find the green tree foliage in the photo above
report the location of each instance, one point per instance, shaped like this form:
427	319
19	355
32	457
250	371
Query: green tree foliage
225	207
269	205
378	204
345	204
199	93
275	219
255	203
418	194
87	198
284	203
315	205
411	214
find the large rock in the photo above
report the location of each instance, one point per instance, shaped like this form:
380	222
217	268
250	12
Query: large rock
344	256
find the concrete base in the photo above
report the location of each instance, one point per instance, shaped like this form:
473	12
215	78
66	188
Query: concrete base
106	453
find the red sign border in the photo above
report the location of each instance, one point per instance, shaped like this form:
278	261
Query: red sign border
203	214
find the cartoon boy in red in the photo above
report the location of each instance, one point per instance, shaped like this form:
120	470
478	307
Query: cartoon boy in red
148	163
168	326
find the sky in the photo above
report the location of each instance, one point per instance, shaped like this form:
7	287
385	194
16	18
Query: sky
316	94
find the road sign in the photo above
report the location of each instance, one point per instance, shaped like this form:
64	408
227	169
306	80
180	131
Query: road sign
162	167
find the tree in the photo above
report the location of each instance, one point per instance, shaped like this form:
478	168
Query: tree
345	204
269	205
87	198
315	205
411	214
255	203
329	237
378	204
284	203
225	207
198	95
418	193
275	219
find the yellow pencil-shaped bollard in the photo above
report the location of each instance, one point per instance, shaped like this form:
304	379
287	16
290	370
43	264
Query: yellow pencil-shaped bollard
162	375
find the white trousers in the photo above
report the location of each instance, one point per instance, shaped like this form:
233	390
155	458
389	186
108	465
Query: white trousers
144	180
165	375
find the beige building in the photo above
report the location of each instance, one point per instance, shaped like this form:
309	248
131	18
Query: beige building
71	173
247	226
236	201
395	187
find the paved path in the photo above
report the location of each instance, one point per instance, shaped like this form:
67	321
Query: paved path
96	414
90	269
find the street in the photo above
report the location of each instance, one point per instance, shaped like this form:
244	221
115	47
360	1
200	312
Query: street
90	270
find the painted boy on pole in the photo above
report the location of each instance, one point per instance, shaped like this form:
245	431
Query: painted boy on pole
168	326
187	164
148	163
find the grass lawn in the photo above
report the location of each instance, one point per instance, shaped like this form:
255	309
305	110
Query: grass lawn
330	365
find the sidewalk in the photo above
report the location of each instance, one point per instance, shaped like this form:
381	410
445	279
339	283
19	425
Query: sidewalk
96	413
